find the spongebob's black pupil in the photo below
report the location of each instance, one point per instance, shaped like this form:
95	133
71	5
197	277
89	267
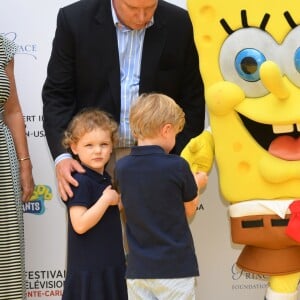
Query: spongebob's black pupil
249	65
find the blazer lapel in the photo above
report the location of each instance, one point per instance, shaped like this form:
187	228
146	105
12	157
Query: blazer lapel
154	42
109	48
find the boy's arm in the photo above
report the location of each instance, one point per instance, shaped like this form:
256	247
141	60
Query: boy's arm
191	206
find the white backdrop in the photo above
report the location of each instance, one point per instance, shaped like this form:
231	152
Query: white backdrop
31	24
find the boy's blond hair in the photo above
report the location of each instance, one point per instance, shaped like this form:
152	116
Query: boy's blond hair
86	121
150	112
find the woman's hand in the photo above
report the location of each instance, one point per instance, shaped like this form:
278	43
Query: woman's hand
26	178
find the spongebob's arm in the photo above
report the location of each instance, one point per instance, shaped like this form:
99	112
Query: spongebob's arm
199	152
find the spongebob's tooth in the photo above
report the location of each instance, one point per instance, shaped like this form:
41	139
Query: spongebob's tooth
298	126
282	128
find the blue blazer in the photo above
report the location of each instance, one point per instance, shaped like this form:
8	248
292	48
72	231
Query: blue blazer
84	71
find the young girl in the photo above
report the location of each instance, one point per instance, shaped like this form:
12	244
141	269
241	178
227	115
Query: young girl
96	262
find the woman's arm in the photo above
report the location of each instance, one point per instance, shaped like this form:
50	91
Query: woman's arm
14	120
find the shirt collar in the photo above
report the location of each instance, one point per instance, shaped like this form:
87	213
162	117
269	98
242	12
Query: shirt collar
145	150
118	23
96	176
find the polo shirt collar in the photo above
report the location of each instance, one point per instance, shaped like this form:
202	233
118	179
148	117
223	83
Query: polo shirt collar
95	175
145	150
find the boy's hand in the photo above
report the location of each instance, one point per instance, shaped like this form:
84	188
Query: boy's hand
201	179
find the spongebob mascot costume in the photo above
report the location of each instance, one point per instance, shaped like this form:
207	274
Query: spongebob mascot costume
250	62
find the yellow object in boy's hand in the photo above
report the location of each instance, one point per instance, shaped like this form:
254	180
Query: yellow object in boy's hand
199	152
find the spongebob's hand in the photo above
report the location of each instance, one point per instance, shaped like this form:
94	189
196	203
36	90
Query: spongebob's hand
199	152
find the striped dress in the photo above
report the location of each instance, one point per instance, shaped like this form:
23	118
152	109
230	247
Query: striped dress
12	267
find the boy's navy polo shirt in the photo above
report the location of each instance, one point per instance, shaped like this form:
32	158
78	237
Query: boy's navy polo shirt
153	187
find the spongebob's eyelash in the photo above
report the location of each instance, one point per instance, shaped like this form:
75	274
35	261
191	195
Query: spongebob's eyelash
262	26
290	20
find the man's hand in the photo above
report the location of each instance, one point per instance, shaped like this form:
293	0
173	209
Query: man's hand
64	178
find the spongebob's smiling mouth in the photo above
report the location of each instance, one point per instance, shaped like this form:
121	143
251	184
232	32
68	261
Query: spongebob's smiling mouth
280	141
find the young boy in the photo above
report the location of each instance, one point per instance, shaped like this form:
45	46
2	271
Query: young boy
158	192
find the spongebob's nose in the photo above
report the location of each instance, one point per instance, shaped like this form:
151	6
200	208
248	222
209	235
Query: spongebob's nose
271	78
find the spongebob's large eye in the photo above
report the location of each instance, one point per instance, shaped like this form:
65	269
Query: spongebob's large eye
248	62
297	60
290	56
241	56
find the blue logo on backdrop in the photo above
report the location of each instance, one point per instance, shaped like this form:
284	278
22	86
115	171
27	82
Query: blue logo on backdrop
36	205
22	48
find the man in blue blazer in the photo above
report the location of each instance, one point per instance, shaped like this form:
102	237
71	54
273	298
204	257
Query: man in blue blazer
107	52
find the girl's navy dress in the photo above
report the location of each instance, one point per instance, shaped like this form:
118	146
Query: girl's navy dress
96	261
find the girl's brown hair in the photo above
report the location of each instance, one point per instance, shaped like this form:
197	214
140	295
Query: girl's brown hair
86	121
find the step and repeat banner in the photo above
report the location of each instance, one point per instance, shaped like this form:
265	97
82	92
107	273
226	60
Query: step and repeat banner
31	24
